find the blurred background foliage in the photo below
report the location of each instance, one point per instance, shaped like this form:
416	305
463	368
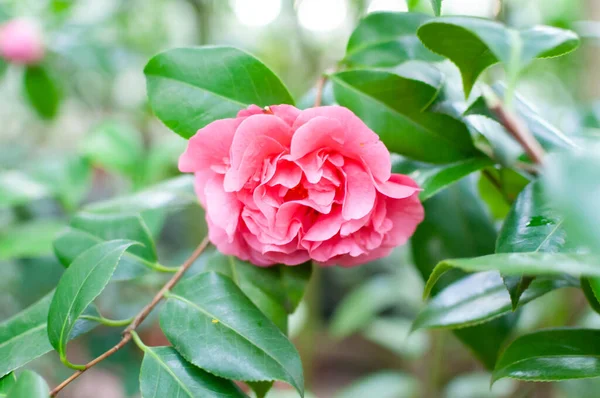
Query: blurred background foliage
78	129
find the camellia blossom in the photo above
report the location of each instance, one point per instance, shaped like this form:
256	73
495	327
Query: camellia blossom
21	42
281	185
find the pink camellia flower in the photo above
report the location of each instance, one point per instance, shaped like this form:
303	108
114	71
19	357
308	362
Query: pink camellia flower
21	42
281	185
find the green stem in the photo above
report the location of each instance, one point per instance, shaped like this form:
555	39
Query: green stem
159	267
68	364
138	341
114	323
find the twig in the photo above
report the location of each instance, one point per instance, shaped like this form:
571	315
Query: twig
320	86
514	126
140	317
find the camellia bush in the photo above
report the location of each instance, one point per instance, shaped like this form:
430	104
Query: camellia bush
382	153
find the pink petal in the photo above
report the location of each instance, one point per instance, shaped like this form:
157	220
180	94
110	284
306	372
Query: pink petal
318	133
360	193
222	207
287	174
398	186
325	227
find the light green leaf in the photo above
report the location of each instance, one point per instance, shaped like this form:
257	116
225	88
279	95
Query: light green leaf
433	178
29	385
23	337
209	310
42	91
89	229
485	42
117	147
479	298
437	7
386	384
30	239
18	188
393	105
189	88
6	384
551	355
81	283
165	373
387	39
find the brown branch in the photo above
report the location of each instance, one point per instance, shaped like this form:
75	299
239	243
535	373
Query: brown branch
320	86
141	316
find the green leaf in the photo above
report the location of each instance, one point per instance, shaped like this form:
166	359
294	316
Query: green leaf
23	337
165	373
189	88
29	385
276	291
551	355
17	188
479	298
530	226
6	384
89	229
30	239
81	283
209	310
437	7
532	264
393	106
485	42
571	182
385	384
117	147
433	178
260	388
42	91
387	39
591	290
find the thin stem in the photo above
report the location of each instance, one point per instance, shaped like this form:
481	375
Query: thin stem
159	267
113	323
138	341
320	85
138	319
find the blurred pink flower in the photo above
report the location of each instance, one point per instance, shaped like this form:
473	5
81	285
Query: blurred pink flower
281	185
21	42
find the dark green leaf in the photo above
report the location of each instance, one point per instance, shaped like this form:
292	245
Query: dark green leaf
387	39
393	106
478	298
591	290
23	337
42	92
551	355
165	373
276	291
81	283
31	239
260	388
189	88
29	385
433	178
117	147
18	188
485	42
209	310
6	384
90	229
386	384
530	226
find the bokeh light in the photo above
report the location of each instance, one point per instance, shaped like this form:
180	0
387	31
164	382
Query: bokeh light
256	13
387	5
322	15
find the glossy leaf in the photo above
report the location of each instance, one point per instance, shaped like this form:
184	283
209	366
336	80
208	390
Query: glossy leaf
165	373
393	106
29	385
532	264
42	91
23	337
385	384
276	291
479	298
387	39
81	283
117	147
485	42
551	355
31	239
209	312
89	229
433	178
6	383
530	226
18	188
189	88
